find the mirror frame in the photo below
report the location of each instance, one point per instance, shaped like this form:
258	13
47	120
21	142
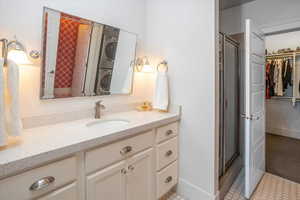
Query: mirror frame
42	66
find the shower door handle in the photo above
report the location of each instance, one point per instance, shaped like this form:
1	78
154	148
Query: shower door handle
251	117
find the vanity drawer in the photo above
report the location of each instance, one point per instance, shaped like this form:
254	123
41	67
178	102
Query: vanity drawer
24	186
69	192
167	153
166	179
166	132
101	157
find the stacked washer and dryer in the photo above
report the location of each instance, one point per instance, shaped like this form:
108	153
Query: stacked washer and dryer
107	59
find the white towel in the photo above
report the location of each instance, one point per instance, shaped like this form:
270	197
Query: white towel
13	118
3	134
127	86
161	94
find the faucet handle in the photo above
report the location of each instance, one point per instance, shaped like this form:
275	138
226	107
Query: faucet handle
99	103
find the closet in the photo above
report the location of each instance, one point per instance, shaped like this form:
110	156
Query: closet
282	81
282	105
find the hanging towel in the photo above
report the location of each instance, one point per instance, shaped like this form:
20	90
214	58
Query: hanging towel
3	134
127	86
13	119
161	94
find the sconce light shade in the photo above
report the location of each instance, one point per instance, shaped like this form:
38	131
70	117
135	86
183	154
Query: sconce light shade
147	69
143	65
17	52
19	57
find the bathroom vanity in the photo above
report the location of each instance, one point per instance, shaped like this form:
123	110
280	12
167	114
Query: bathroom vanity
123	156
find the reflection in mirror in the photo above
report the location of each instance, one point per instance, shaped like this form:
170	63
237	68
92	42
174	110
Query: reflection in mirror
85	58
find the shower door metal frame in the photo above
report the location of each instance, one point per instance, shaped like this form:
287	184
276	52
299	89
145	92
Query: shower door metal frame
225	166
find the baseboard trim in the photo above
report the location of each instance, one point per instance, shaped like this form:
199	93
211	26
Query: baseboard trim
193	192
284	132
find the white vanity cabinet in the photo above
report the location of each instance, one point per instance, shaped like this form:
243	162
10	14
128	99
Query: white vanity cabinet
139	167
140	177
108	183
131	179
69	192
166	158
40	181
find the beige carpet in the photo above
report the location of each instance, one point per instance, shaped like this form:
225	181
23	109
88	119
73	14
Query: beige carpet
270	188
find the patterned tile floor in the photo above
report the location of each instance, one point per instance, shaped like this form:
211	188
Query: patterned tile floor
270	188
176	197
237	189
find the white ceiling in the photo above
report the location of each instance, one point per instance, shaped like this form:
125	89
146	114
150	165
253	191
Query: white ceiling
231	3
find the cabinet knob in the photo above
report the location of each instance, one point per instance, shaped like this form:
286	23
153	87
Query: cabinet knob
131	168
169	153
42	183
126	150
169	132
169	179
123	171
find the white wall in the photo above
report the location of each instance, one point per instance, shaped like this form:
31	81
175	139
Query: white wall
268	14
24	19
183	33
283	41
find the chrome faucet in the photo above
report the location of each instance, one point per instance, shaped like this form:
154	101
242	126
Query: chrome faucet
98	108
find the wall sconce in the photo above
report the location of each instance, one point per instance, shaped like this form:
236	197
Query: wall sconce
143	65
15	50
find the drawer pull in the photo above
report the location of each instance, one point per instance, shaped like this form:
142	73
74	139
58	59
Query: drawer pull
126	150
169	132
42	183
169	153
169	179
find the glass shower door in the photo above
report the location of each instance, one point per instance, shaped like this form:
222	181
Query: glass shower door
229	108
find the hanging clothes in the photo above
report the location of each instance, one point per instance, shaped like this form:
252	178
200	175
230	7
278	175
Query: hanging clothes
271	77
287	74
268	84
279	80
279	76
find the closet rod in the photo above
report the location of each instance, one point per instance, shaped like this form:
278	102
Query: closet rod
274	57
292	54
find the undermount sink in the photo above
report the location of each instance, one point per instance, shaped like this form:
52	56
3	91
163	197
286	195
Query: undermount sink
106	123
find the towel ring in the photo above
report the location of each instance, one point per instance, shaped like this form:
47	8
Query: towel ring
163	64
132	63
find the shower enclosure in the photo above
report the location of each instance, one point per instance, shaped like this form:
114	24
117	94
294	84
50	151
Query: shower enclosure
230	161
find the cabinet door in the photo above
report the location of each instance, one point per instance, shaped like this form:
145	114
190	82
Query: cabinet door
140	176
107	184
69	192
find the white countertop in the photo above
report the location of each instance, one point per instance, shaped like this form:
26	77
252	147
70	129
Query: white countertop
47	143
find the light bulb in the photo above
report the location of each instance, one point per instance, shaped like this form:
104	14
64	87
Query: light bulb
147	69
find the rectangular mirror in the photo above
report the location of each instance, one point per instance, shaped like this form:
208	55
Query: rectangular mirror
85	58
